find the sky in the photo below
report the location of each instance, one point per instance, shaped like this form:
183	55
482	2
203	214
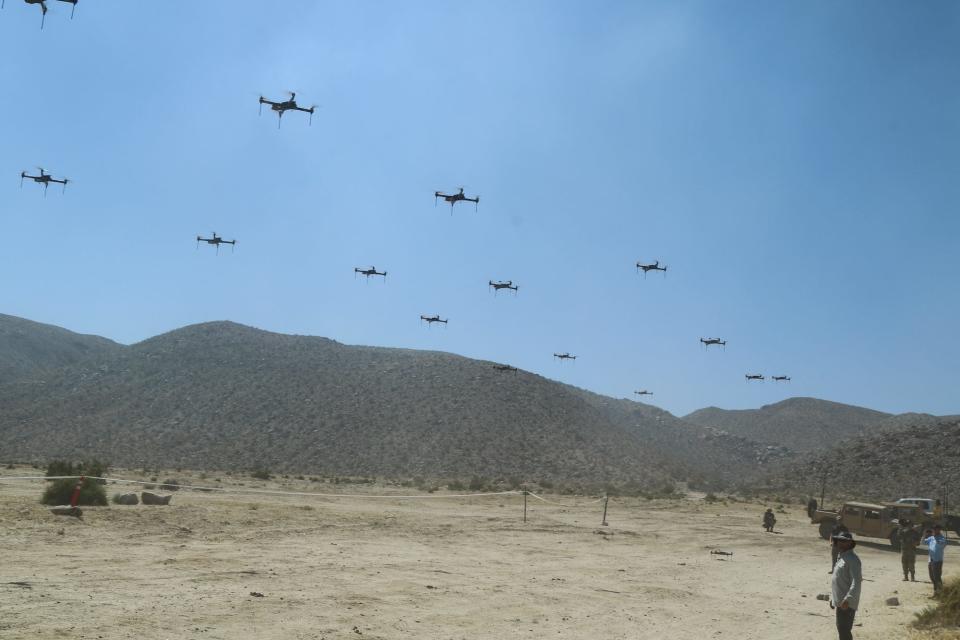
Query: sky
794	164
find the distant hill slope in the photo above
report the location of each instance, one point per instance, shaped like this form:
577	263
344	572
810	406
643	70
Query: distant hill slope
920	458
222	395
800	424
28	349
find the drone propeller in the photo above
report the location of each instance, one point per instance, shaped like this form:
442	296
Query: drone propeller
65	181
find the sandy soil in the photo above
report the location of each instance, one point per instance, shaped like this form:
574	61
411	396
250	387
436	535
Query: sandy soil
445	569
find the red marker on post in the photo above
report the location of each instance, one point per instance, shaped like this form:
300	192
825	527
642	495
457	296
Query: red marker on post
76	493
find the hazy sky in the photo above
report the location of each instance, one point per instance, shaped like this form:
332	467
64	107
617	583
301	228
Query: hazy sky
794	163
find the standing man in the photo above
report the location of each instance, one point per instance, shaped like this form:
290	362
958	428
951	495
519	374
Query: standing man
811	507
834	552
769	520
909	539
845	585
936	543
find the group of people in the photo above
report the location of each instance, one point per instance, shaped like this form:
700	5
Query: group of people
848	576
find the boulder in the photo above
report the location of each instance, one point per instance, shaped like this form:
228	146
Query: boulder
127	498
892	602
154	499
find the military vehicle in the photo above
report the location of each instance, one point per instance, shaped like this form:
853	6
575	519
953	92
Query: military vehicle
868	520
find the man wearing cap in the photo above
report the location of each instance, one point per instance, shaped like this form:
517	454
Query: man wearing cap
909	538
845	586
936	543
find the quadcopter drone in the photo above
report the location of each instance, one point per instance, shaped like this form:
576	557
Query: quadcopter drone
503	285
754	376
372	271
431	319
505	367
43	8
644	393
286	105
455	198
564	356
216	241
709	341
781	378
45	179
655	266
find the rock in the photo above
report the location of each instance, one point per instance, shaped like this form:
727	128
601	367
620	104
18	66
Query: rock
256	594
823	596
892	602
128	499
67	510
154	499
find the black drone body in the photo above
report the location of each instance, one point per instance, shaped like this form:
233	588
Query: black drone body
709	341
455	198
644	393
286	105
505	368
44	8
431	319
564	356
45	179
754	376
372	271
654	266
508	284
781	378
216	241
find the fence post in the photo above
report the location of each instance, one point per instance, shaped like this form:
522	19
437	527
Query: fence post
606	499
525	506
76	493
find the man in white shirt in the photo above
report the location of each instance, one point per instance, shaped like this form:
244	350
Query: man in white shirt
845	585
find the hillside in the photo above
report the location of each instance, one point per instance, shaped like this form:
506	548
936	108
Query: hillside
30	349
921	458
800	424
221	395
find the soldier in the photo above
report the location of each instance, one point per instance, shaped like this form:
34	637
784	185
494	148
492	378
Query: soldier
811	507
909	538
834	552
769	520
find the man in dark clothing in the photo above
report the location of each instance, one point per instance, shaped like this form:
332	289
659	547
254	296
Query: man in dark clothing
845	586
769	520
811	507
909	538
834	552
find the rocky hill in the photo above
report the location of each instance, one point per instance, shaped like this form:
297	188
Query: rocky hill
30	349
222	395
920	458
799	424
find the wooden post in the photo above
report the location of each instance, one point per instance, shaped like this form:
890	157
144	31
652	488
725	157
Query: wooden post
606	499
524	506
823	490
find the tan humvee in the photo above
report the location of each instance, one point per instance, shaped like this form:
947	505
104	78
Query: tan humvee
867	520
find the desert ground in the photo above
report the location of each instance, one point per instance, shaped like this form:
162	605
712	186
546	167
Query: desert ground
453	568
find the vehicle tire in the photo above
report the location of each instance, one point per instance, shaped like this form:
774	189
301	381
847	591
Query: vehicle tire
895	541
825	529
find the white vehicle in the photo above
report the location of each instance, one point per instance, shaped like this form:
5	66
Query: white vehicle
930	506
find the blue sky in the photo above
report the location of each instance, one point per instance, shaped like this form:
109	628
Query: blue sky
795	165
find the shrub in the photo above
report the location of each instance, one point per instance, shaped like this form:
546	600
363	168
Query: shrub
94	468
170	484
946	613
710	497
456	485
60	491
477	484
260	474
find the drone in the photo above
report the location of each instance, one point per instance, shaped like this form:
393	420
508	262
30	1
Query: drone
45	179
644	393
431	319
504	285
505	367
455	198
216	241
372	271
286	105
781	378
564	356
754	376
43	8
709	341
652	267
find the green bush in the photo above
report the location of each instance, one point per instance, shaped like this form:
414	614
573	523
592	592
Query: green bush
260	474
946	613
59	492
170	484
710	497
477	484
456	485
94	468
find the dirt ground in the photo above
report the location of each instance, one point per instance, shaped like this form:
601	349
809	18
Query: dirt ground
437	568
